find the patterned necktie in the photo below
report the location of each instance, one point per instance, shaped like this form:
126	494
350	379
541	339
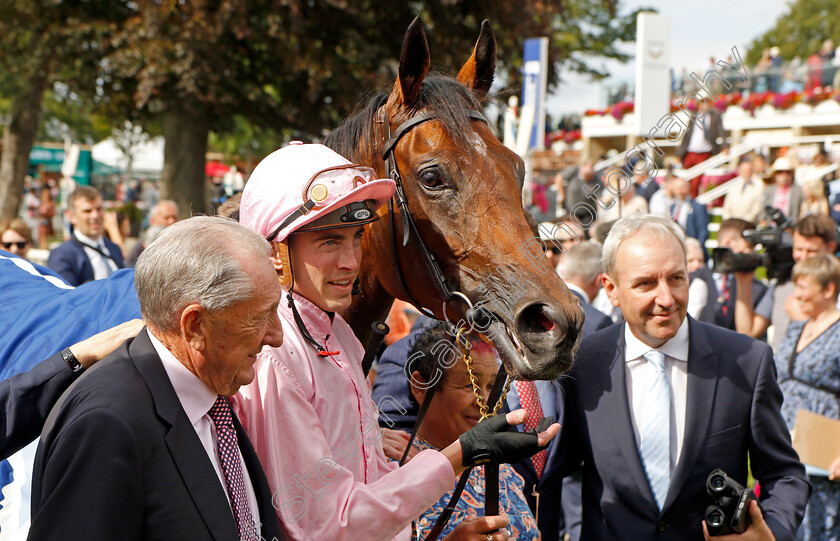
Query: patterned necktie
530	400
232	468
655	430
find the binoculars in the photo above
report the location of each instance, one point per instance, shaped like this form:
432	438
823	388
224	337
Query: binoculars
731	511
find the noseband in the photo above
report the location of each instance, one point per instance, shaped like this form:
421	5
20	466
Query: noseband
408	226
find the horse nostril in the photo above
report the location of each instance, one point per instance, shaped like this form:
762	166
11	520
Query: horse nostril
539	318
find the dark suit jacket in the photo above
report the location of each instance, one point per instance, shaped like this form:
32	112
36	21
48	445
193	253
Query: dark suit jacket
594	320
732	410
697	222
119	459
71	262
728	321
27	399
715	135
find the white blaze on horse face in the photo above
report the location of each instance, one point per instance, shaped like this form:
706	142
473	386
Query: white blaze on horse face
480	145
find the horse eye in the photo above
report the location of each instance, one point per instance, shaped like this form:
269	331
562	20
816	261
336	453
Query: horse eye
431	179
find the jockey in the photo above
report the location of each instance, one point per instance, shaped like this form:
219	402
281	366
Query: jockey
309	412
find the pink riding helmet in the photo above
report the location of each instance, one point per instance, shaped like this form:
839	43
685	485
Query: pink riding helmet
308	187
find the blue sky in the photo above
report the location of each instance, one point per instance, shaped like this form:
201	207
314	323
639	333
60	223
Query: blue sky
699	30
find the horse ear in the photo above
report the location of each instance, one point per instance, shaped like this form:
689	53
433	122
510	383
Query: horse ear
477	73
414	63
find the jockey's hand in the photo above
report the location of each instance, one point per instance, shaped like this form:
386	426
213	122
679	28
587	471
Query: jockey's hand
394	442
757	531
490	441
480	529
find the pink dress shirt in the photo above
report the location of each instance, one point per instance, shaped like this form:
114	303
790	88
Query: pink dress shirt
315	428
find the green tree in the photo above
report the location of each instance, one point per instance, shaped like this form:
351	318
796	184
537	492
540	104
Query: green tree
800	31
45	41
291	69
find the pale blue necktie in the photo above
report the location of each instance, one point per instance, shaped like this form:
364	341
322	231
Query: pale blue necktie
655	430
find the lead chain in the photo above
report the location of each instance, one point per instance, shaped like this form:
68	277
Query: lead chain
468	360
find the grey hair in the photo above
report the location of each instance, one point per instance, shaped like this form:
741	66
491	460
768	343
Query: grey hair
197	260
583	260
691	241
659	226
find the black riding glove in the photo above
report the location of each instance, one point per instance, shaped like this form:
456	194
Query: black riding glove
490	441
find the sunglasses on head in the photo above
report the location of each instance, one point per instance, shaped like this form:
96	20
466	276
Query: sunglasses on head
20	245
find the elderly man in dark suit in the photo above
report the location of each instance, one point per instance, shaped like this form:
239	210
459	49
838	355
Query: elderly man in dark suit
654	405
146	441
88	255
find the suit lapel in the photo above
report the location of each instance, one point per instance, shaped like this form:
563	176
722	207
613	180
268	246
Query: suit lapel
703	365
184	446
616	409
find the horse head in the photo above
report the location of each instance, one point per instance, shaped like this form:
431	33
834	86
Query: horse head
458	207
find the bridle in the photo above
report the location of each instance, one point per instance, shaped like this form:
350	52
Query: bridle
502	383
400	201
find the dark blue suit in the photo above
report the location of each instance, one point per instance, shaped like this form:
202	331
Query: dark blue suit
71	262
732	410
27	399
594	319
697	222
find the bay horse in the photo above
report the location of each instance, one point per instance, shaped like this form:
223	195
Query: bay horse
455	238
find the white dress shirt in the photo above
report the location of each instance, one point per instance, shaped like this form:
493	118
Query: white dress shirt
102	266
640	375
197	399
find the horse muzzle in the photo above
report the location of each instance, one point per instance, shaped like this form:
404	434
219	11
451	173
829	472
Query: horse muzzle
539	344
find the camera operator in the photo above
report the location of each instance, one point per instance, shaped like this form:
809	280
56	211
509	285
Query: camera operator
743	303
812	235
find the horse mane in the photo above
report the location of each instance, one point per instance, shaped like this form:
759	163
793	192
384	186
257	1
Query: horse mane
444	97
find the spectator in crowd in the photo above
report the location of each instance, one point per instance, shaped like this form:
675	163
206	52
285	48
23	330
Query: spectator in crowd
582	271
828	67
774	73
46	211
699	144
27	398
662	200
559	237
702	291
310	407
233	181
163	214
687	212
645	184
759	163
812	235
627	203
88	255
582	191
148	441
740	294
814	200
745	200
783	194
453	410
15	237
654	405
807	363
